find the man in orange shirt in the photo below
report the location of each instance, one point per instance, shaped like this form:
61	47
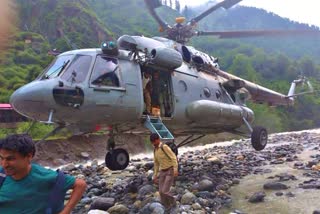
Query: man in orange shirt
165	170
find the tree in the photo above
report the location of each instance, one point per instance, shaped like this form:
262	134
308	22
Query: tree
178	5
268	117
164	2
185	12
307	67
242	66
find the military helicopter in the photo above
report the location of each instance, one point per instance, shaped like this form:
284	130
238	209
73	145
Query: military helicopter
89	88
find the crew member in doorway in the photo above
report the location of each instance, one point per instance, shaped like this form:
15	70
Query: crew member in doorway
147	90
165	170
156	88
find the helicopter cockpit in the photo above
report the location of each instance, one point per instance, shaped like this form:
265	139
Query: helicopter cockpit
71	68
74	68
80	70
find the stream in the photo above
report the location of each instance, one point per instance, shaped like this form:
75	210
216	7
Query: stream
305	201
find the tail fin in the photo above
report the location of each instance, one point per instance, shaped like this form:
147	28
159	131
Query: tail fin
301	81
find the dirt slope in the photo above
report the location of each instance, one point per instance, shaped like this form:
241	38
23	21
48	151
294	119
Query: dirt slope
75	149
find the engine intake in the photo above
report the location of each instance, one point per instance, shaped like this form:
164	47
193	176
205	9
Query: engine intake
166	58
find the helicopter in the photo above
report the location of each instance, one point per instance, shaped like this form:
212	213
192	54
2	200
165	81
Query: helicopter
86	89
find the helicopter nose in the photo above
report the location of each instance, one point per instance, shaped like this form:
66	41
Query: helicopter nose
30	100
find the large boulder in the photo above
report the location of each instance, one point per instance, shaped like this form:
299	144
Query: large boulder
275	186
154	208
257	197
97	212
188	198
118	209
145	190
102	203
206	185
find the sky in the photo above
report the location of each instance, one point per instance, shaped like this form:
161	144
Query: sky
305	11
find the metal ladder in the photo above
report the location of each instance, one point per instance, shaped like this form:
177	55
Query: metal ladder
155	125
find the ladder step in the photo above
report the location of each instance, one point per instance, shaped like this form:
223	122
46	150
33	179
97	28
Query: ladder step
159	126
165	134
155	125
154	120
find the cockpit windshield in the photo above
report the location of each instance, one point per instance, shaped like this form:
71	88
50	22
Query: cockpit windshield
56	67
78	69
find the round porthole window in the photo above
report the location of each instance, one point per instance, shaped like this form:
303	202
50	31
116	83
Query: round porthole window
218	94
182	86
207	92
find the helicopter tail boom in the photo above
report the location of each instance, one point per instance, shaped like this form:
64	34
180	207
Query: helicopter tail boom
259	94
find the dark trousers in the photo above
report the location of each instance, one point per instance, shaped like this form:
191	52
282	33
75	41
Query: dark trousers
147	100
166	180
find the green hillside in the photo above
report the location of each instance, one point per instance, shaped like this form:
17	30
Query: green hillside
63	23
45	25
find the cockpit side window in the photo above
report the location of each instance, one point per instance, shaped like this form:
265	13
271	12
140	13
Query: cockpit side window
105	72
78	69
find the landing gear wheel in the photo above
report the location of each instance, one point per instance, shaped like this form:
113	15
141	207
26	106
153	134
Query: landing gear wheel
109	161
259	138
117	159
121	158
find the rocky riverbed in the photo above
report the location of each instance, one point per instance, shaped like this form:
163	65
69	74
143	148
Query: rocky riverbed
217	178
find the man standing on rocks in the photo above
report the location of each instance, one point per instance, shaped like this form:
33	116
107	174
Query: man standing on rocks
26	187
165	170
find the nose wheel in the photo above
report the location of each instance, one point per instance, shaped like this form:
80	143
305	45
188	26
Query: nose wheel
117	159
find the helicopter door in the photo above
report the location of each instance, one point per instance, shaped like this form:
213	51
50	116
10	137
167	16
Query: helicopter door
161	92
165	94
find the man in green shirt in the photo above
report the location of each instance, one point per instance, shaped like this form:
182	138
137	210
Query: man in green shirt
27	186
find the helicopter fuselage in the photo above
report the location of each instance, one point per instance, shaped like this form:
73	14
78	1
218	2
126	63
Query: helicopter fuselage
85	88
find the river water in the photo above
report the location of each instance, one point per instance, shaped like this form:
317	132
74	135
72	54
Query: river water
304	201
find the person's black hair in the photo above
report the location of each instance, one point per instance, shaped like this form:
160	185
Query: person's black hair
154	136
21	143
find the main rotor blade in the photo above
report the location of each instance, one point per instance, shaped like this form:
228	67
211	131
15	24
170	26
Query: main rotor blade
256	33
151	5
225	4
